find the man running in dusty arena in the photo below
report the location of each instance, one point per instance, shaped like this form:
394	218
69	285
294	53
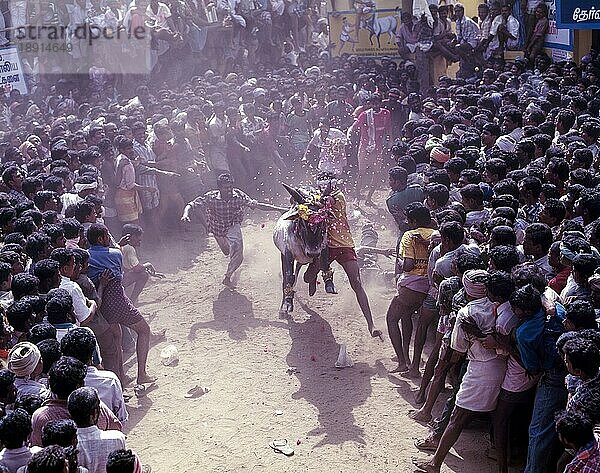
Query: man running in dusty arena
223	212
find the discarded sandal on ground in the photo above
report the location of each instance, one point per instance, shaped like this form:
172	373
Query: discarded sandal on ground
281	446
196	391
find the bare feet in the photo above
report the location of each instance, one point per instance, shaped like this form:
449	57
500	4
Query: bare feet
425	466
400	369
429	444
419	398
228	282
159	336
146	379
420	416
412	373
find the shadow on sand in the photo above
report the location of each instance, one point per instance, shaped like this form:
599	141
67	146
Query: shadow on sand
334	393
233	313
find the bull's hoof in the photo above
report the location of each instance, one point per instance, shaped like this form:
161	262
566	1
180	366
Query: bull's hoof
287	307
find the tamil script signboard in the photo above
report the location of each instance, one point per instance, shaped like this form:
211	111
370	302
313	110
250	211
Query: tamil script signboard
11	70
558	40
578	14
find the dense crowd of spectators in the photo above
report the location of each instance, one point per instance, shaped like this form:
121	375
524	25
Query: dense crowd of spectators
493	178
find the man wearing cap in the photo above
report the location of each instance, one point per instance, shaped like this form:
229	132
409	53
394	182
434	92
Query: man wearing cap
25	361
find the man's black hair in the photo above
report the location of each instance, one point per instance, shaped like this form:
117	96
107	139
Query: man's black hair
582	314
505	258
50	216
5	271
37	243
49	460
50	351
65	376
581	176
120	461
439	176
454	231
15	238
506	186
556	209
9	174
79	343
467	261
81	404
503	235
472	191
62	256
471	176
438	192
7	384
540	234
584	156
6	215
59	307
527	298
583	355
15	428
20	315
505	212
30	184
29	403
35	215
60	432
496	167
408	163
419	213
54	232
95	232
83	209
575	428
567	118
72	228
559	167
529	273
41	198
132	229
398	173
39	332
46	269
456	165
53	183
25	225
585	264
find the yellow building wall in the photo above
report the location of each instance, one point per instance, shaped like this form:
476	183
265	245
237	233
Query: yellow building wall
341	5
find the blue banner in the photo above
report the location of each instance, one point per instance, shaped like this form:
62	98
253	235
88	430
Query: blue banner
578	15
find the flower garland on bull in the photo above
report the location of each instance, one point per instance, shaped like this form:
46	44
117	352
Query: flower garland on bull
314	217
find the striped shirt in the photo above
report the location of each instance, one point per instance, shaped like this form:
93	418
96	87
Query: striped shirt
467	31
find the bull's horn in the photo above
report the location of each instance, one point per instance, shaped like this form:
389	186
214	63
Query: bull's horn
296	195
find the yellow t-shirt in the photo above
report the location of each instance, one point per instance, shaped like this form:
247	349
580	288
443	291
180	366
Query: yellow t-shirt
418	251
338	229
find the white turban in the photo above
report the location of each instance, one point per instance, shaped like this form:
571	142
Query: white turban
474	283
23	359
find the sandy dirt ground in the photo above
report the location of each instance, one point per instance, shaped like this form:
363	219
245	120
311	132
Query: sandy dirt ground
235	343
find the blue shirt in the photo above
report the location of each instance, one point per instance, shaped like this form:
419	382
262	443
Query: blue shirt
102	258
529	341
